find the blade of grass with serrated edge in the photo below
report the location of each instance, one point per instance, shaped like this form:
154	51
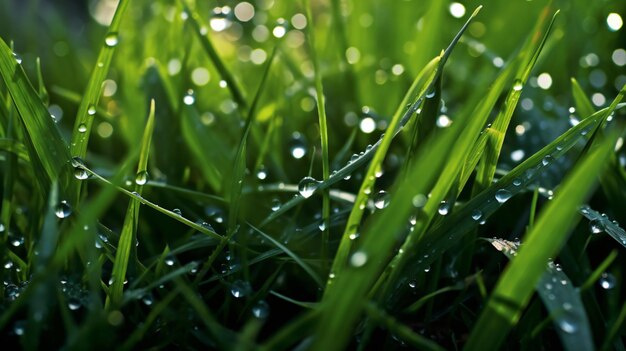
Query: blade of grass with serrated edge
447	233
129	229
487	168
561	299
370	151
291	254
201	29
89	101
515	286
44	136
321	114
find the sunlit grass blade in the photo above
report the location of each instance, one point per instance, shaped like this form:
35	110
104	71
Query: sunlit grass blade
201	30
487	168
91	97
128	237
561	299
583	105
51	151
515	286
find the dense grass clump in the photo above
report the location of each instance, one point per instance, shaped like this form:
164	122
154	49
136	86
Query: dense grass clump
320	175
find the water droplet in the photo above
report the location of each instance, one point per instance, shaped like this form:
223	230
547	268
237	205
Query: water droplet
444	208
91	110
419	200
430	94
427	269
177	211
546	160
358	259
63	209
353	236
275	204
111	39
261	309
476	215
322	226
567	326
595	226
240	289
297	146
607	281
307	186
517	182
412	284
169	260
518	85
8	264
147	299
382	200
17	58
502	195
567	306
189	98
19	328
261	174
80	173
73	304
141	178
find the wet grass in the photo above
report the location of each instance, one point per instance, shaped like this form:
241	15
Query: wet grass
320	175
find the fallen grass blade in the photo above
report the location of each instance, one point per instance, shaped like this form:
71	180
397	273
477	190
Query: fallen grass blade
515	286
561	299
128	237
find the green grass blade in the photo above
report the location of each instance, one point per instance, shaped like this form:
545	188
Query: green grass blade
601	223
321	113
487	168
200	29
128	237
89	102
561	299
583	105
515	287
51	151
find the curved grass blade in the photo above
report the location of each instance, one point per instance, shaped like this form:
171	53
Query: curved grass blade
200	28
50	149
601	223
128	236
583	105
366	156
89	102
295	257
515	286
561	299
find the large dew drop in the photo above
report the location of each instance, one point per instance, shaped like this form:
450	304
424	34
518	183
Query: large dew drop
307	186
595	226
261	310
382	200
63	209
111	39
502	195
240	289
444	208
141	178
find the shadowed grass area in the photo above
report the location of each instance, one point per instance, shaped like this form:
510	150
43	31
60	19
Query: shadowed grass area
312	175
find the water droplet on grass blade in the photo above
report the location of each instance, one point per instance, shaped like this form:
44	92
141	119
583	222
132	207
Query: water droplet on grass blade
240	289
382	200
111	39
63	209
502	195
595	226
607	281
307	186
567	326
91	110
73	304
444	208
80	173
275	204
141	178
518	85
261	309
476	215
358	259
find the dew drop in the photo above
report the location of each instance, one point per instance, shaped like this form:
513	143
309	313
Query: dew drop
476	215
19	328
240	289
353	236
518	85
73	304
444	208
275	204
307	186
567	326
82	128
111	39
358	259
80	173
261	309
412	284
502	195
141	178
147	299
91	110
595	226
546	160
607	281
261	174
17	58
517	182
382	200
189	98
63	209
177	211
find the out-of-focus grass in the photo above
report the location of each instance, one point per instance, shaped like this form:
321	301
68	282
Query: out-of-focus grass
236	247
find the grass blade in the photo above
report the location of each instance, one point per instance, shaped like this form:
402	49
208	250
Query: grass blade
514	288
128	236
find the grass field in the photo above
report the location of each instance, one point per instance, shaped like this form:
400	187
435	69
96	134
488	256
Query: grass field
313	175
